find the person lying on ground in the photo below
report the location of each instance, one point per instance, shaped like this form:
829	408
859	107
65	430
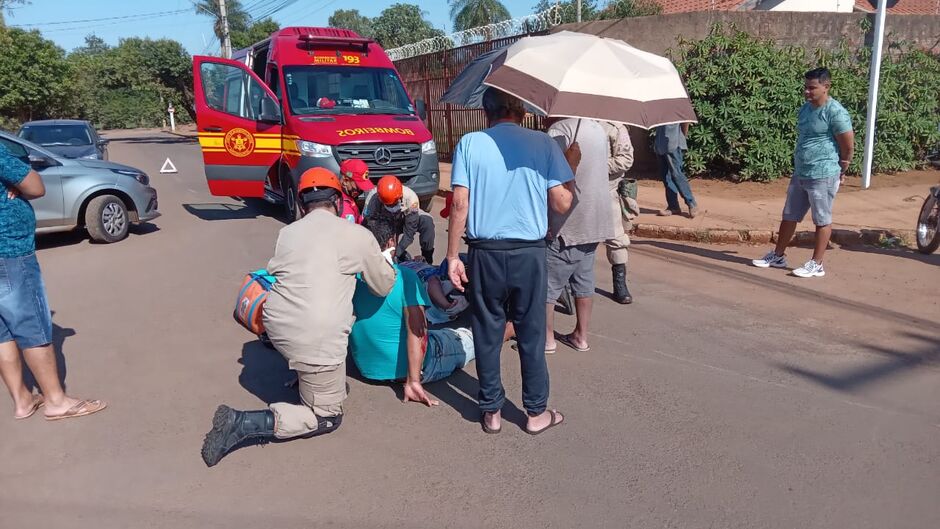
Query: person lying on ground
375	342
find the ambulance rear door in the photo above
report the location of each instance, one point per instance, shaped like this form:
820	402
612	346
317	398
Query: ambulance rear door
239	123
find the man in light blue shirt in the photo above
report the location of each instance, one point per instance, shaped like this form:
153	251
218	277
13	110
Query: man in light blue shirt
504	180
824	148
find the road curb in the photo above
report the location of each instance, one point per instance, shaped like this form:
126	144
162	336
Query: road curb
841	236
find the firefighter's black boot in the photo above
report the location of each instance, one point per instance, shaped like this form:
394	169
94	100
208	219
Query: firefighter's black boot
428	255
230	427
621	292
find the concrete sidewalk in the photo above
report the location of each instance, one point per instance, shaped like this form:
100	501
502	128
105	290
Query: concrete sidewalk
750	212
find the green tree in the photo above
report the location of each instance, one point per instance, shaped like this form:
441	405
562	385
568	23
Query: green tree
630	8
33	74
569	10
257	31
402	24
468	14
351	19
238	19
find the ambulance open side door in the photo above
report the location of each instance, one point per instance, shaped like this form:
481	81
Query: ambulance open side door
238	119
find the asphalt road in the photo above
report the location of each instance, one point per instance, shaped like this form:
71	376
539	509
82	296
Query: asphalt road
725	397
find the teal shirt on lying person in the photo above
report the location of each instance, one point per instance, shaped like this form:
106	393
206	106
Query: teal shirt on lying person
817	152
17	220
378	341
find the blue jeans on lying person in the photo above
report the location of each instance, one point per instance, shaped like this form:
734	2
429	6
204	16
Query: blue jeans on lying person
448	350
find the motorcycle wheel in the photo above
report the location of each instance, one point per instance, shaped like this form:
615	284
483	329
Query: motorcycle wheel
928	234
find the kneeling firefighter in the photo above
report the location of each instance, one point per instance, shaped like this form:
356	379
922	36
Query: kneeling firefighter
307	316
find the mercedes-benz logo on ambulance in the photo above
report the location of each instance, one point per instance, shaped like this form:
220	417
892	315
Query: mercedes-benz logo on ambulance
382	156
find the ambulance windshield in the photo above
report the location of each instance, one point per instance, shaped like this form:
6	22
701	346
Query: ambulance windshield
317	90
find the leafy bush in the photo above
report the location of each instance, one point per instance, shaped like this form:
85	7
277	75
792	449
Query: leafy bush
747	92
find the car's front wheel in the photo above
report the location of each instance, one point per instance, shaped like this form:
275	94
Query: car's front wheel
106	219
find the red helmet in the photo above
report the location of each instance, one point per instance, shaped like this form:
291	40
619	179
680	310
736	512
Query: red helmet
357	171
390	191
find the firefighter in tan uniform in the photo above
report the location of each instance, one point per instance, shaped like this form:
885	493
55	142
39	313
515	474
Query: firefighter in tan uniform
308	315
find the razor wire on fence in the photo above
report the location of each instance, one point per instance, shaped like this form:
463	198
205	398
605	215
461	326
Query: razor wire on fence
534	23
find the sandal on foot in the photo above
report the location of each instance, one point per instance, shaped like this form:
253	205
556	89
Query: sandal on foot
566	339
38	402
548	350
84	407
486	428
552	424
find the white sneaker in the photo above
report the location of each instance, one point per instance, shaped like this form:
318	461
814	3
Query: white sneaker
810	269
771	259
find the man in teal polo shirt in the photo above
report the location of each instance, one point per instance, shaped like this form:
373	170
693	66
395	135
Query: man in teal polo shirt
824	148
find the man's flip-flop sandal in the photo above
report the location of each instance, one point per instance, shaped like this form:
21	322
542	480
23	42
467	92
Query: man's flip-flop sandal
551	425
548	351
83	408
566	339
37	403
486	428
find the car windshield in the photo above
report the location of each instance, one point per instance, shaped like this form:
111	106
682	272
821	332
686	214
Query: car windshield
317	90
52	135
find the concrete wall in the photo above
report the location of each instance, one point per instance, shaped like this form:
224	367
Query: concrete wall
811	30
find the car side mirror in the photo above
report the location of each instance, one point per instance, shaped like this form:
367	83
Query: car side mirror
39	161
102	142
421	108
270	111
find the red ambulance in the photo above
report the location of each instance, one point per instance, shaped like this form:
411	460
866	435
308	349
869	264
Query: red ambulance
308	97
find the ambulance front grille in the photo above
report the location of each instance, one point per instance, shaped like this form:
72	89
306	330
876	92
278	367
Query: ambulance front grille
401	159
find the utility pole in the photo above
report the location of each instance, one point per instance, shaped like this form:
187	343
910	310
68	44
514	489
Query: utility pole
226	38
579	10
873	94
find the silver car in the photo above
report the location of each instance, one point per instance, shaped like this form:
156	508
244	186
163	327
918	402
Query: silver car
103	197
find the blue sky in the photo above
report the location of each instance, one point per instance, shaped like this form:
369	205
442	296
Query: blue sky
64	21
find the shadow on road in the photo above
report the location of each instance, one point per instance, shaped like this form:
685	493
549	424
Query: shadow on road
726	256
223	211
79	236
906	253
264	372
747	275
59	334
894	363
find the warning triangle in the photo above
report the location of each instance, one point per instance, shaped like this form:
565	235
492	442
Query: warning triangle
168	167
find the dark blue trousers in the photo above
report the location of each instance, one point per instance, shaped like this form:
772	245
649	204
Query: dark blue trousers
508	282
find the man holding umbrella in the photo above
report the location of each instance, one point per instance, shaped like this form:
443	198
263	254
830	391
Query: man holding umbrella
504	179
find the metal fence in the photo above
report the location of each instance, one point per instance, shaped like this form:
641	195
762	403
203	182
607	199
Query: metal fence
428	76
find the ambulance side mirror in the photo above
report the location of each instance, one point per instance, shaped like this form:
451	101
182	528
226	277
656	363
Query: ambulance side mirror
270	111
421	108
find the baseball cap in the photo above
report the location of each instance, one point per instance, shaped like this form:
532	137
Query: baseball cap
357	171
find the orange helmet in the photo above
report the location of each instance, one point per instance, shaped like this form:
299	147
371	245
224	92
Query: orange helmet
390	191
317	179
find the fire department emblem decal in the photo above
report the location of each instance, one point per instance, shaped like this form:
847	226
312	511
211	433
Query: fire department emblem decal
239	142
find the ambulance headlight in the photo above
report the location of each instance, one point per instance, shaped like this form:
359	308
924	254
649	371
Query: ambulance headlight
314	150
429	147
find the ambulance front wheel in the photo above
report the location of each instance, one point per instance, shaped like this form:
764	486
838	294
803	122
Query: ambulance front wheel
291	211
425	203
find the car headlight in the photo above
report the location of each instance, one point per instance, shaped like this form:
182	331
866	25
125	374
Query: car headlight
429	147
140	176
315	150
92	156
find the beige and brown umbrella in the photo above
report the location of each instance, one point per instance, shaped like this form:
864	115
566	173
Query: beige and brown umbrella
570	74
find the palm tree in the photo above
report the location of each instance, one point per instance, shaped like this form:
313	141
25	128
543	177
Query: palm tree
238	18
468	14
